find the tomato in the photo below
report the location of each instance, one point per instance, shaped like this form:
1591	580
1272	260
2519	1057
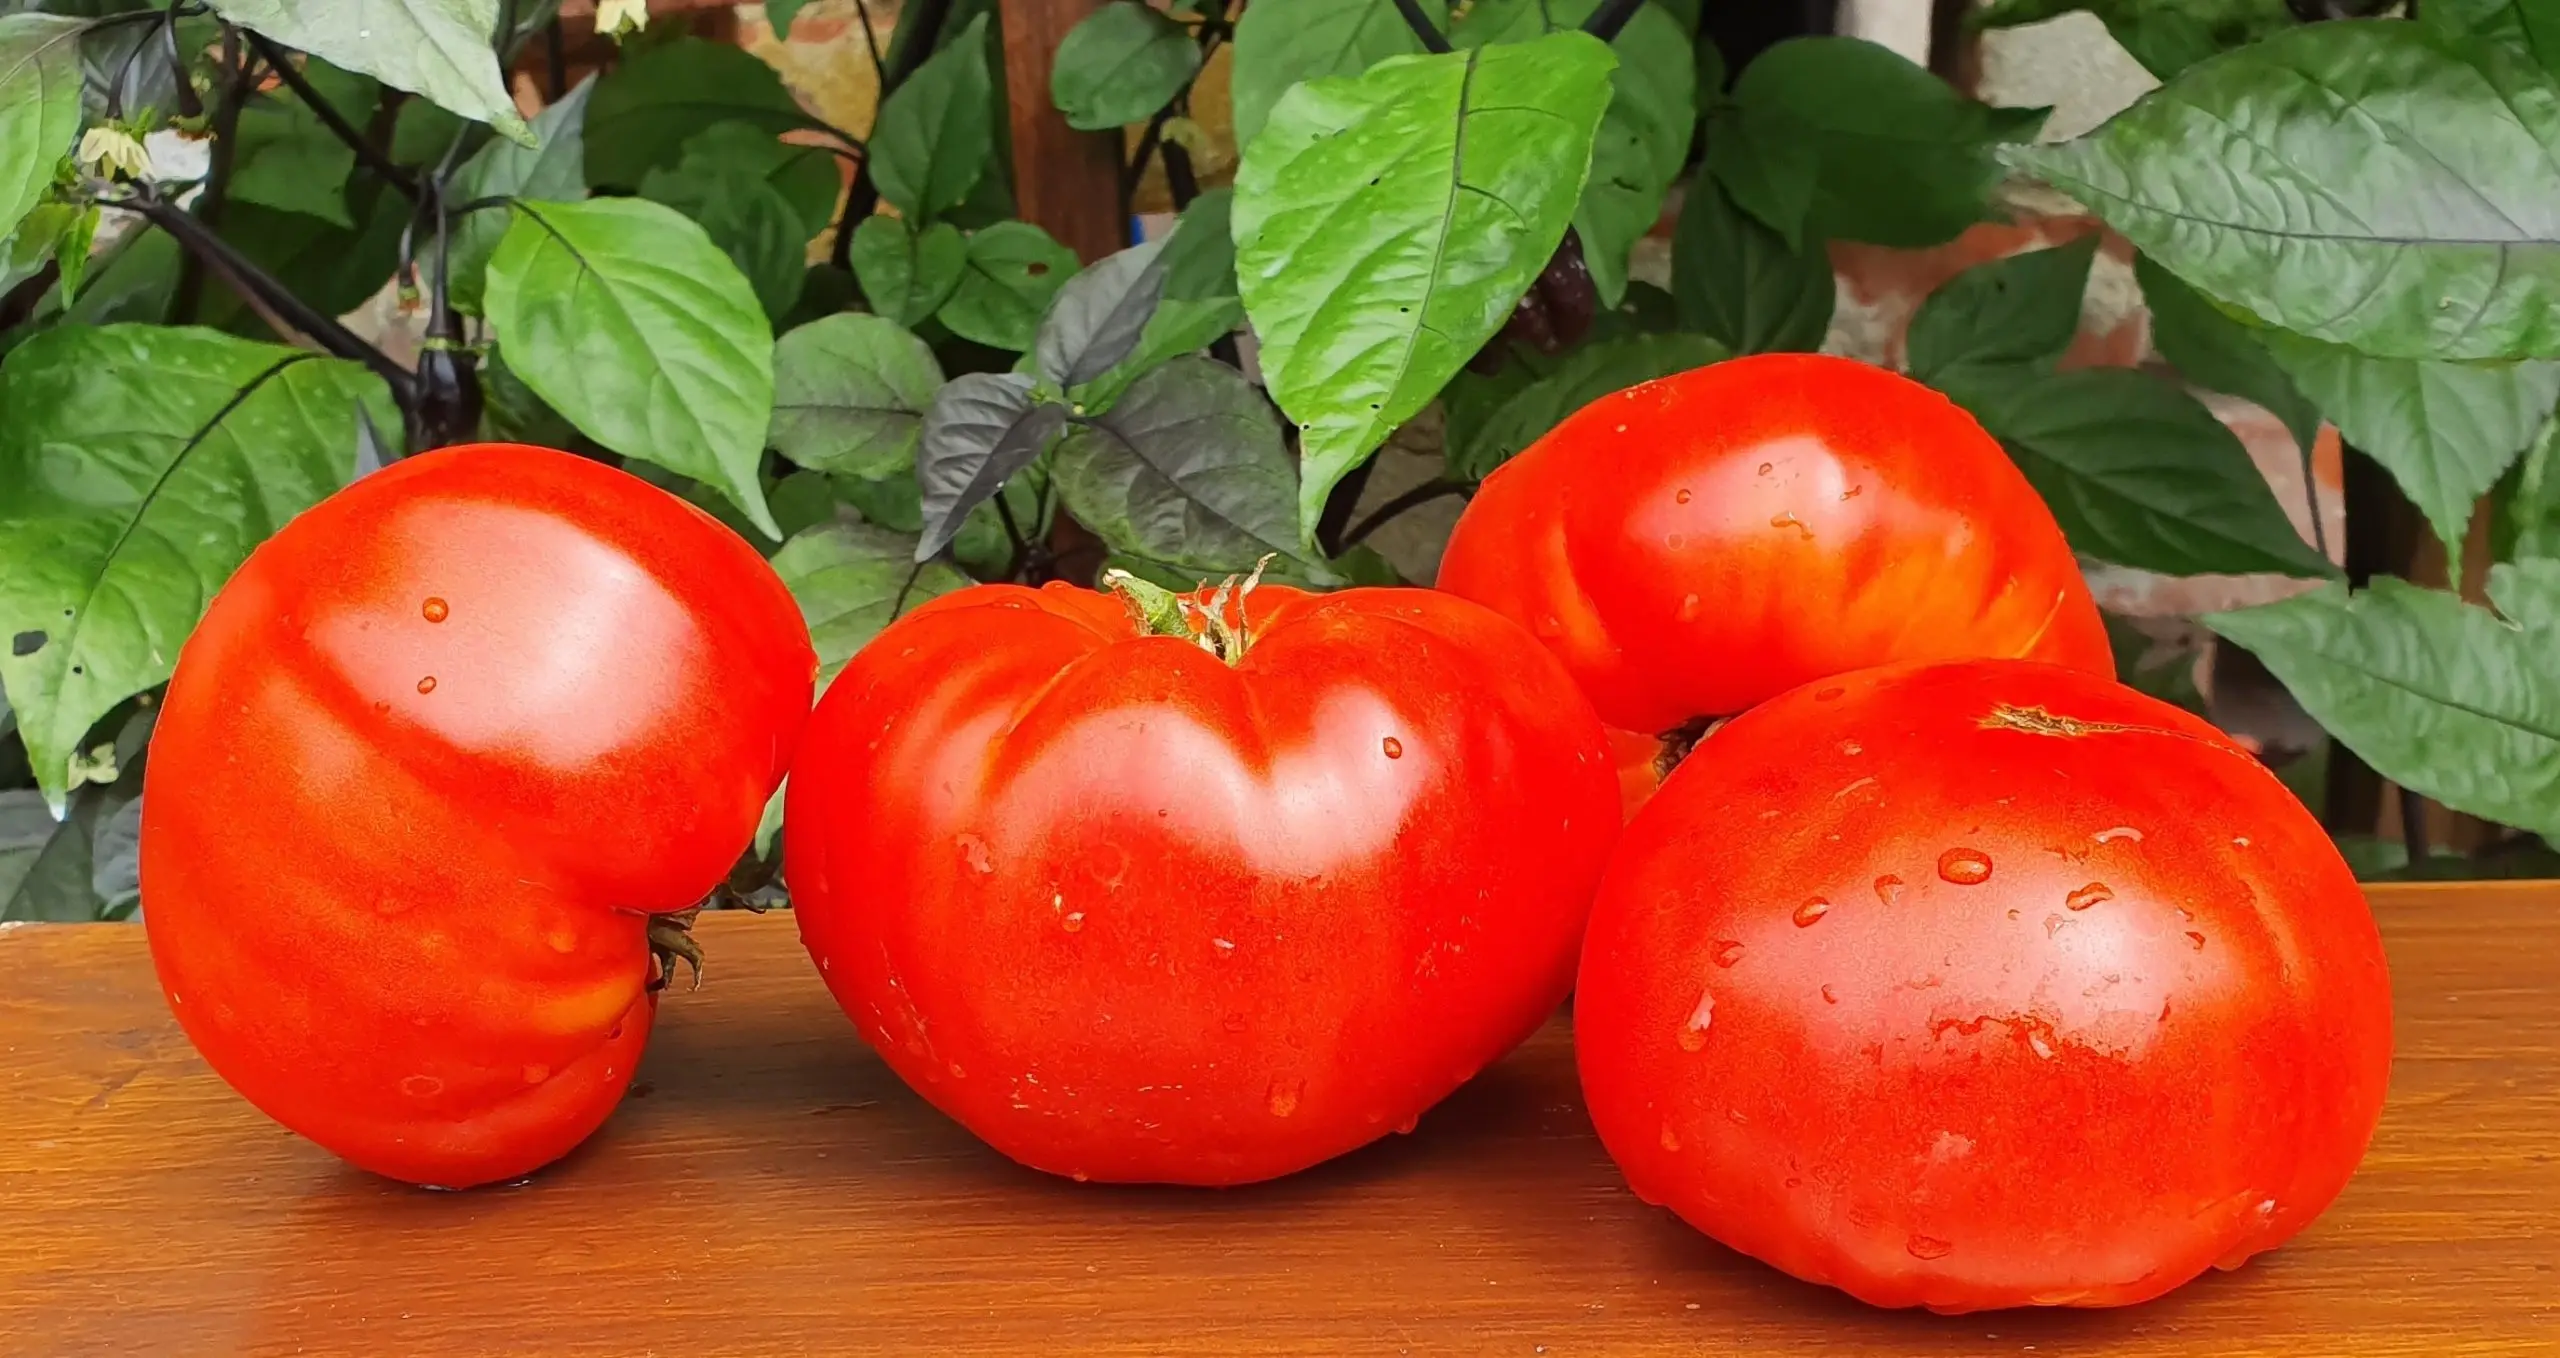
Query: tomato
1697	544
432	759
1982	984
1131	912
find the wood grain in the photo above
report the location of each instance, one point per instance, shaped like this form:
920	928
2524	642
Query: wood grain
1065	182
771	1189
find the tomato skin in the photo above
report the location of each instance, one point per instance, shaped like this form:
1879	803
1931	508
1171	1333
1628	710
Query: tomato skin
2153	1038
1131	914
1697	544
407	918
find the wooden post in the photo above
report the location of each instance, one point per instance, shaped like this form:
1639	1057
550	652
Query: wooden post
1065	182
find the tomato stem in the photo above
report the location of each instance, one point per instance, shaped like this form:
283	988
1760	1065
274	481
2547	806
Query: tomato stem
1216	625
671	937
1680	740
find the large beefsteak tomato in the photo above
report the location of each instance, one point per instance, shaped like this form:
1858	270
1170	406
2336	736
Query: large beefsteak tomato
1982	984
431	761
1135	904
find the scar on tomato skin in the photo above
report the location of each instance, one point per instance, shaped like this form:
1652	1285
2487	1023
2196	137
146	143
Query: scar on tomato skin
2039	721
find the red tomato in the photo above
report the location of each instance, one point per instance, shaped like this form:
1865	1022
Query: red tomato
1695	545
1130	912
427	765
1982	984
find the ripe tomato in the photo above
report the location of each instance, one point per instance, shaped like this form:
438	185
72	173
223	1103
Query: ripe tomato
1982	984
431	759
1697	544
1132	911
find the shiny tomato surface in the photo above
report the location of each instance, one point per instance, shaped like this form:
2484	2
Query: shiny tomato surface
433	757
1982	984
1131	912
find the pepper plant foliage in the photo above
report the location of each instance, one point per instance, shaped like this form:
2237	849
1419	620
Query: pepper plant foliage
900	388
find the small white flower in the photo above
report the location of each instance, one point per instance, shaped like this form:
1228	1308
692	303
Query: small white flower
105	149
617	17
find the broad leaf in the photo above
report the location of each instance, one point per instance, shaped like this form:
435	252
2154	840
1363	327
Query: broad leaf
1013	270
2166	36
287	159
1734	280
848	578
2218	353
652	103
2528	521
2140	473
2446	431
1279	43
115	860
2374	184
138	466
805	176
1768	166
1119	65
436	48
554	169
906	274
930	143
1386	223
751	222
2021	311
1187	468
2438	696
982	547
1199	305
981	430
1902	158
780	13
850	393
2531	27
626	318
39	106
1586	375
1098	316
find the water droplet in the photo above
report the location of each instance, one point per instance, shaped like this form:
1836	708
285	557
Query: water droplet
1832	693
975	850
2239	841
1072	921
1233	1023
2267	1208
422	1086
1670	1138
1740	1118
1828	997
1683	496
1675	541
1393	747
1888	887
1225	946
957	1073
2054	924
536	1073
2196	940
1767	467
1810	911
427	685
1081	1177
1928	1247
433	610
2110	836
2185	915
1693	1034
1284	1097
1405	1128
2042	1048
2089	895
1728	952
1852	748
1964	867
1791	521
562	938
1689	608
1852	492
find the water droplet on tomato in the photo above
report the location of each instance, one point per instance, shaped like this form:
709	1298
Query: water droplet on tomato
2089	895
1727	953
1828	997
2195	940
1405	1128
1072	921
536	1073
1693	1034
562	938
1824	695
1689	608
1081	1177
1670	1138
433	610
1225	947
422	1086
1964	867
1810	911
2110	836
2042	1048
1284	1097
427	685
2054	924
1683	496
1767	467
1852	748
1233	1023
975	850
1888	887
1675	541
957	1073
2240	841
1393	747
1928	1247
1791	521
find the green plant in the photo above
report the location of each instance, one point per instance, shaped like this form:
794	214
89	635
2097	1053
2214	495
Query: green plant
2343	219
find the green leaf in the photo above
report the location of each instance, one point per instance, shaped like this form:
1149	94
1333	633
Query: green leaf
1097	317
2021	311
1586	375
929	145
626	318
2213	351
982	547
1902	158
850	393
39	106
138	467
656	100
1768	166
2528	522
780	13
436	48
334	268
2446	431
2531	27
2449	700
2373	184
71	249
805	176
1734	279
1188	468
2166	36
982	429
847	578
2139	473
751	222
907	274
289	160
1279	43
1013	270
1119	65
554	170
1199	305
1386	223
422	131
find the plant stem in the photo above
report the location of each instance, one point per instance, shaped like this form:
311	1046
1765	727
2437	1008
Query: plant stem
374	158
1433	40
863	198
871	39
1419	495
243	70
1612	16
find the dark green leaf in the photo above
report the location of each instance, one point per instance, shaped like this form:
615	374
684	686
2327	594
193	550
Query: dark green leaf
138	466
422	131
625	317
553	170
333	268
1199	304
2531	27
1188	468
1768	165
2451	701
2373	184
1903	159
2020	311
1586	375
1279	43
751	222
1734	280
780	13
289	160
806	176
981	430
982	547
1097	317
2166	36
850	393
436	48
1119	65
1013	271
511	413
847	578
115	860
929	145
1386	224
655	100
906	274
39	106
2139	473
2528	522
2215	352
125	67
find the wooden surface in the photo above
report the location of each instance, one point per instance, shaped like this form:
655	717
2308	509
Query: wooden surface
1065	182
771	1189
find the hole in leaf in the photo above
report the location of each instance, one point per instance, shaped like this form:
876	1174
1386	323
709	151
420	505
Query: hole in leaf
1035	268
27	643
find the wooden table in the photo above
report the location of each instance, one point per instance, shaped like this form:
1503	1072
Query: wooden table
770	1188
